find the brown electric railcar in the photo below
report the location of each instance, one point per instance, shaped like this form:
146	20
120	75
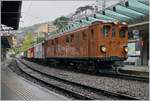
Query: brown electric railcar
100	41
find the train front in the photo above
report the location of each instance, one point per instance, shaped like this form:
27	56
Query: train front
113	42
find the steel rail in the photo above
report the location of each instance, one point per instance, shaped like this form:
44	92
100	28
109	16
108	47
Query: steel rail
102	91
125	76
117	75
71	93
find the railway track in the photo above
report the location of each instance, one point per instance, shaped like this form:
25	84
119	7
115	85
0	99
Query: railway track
27	72
138	78
80	91
119	75
126	76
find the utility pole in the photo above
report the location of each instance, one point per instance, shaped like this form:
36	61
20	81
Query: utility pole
101	4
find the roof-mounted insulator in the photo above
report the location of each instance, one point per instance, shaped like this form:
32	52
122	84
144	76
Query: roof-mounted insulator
114	8
103	12
87	18
127	4
94	15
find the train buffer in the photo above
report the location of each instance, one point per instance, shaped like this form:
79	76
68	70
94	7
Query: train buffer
15	87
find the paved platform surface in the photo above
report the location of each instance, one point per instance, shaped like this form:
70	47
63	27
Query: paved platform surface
136	68
15	87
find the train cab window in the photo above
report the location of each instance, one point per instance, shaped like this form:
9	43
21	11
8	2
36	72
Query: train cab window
105	30
122	32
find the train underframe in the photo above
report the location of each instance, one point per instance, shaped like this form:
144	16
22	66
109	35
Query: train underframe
93	65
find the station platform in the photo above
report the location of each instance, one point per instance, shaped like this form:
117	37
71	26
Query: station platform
136	68
15	87
143	70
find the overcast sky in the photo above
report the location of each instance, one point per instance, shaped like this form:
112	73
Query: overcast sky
34	12
41	11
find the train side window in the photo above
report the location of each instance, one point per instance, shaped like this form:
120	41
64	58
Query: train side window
56	41
122	32
92	33
83	36
78	37
52	42
71	38
113	32
67	39
105	30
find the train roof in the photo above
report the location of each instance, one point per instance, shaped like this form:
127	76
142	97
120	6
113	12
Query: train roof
76	26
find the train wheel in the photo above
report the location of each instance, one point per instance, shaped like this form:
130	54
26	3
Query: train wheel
92	68
73	66
82	67
79	67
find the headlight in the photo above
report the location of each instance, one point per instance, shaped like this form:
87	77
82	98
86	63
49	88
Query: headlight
126	49
103	48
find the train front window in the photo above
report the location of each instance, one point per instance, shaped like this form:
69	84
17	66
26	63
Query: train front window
105	30
123	31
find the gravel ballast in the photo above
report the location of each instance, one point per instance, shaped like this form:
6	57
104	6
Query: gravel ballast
130	87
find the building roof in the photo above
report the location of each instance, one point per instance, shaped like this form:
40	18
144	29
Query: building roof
10	13
129	11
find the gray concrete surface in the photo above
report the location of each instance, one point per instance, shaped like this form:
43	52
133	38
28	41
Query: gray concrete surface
15	87
136	68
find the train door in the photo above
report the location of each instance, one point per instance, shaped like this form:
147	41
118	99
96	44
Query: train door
77	44
84	42
109	32
91	42
55	47
43	50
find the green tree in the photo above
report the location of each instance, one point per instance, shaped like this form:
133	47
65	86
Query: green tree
61	22
28	42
